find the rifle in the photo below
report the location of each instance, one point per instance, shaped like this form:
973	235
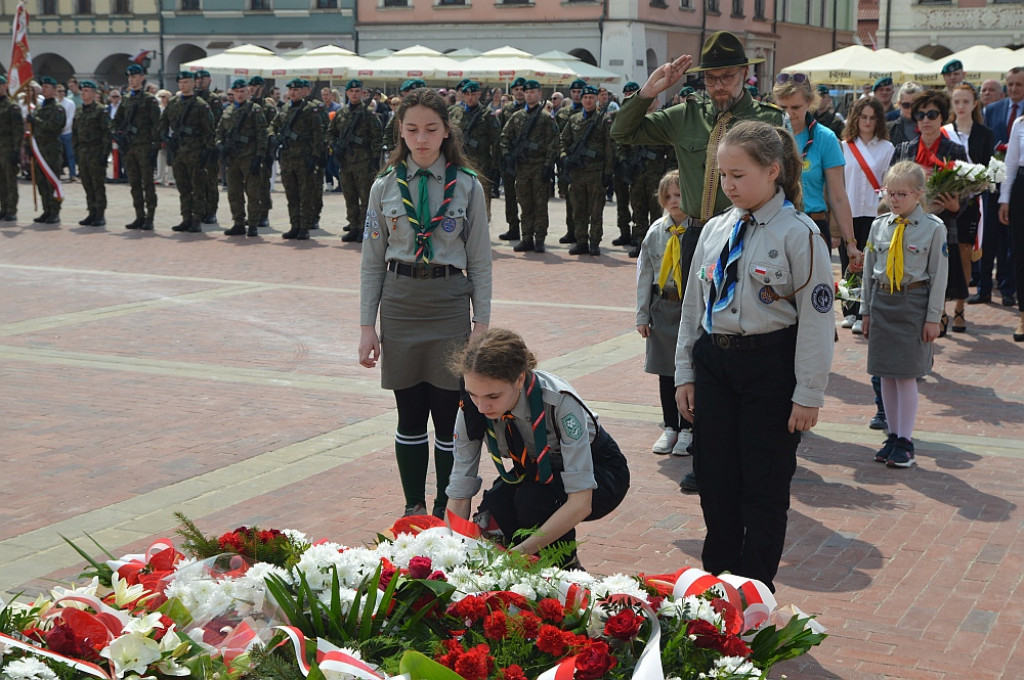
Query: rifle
348	138
519	151
123	136
468	132
285	137
579	153
233	138
633	164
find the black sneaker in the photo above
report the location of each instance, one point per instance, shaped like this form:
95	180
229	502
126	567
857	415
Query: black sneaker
688	484
902	454
885	452
879	422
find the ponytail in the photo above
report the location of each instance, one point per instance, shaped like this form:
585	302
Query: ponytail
791	169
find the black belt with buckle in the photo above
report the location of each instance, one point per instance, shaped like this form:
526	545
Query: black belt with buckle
423	271
670	295
758	341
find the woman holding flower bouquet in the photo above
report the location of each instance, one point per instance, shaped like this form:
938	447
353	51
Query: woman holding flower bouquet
934	150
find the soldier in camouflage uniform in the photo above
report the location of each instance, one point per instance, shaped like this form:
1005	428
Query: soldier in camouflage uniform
242	144
12	132
621	187
562	118
390	134
651	162
90	138
298	134
186	127
530	139
317	187
210	187
481	135
587	158
47	123
355	138
270	107
508	179
135	130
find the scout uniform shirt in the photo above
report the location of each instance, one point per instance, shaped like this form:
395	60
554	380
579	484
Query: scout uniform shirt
461	240
687	128
570	432
648	267
779	258
924	247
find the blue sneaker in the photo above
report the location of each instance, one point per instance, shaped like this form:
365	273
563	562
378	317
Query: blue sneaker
887	448
902	454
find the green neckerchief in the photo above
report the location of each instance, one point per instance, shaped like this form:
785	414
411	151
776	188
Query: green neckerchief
540	440
424	250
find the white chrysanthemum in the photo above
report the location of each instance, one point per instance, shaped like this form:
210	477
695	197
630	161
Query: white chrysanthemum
734	668
260	571
28	668
524	589
467	581
448	558
296	537
346	596
581	578
617	584
690	608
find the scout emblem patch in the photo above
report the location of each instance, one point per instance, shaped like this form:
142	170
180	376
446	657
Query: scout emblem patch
572	426
807	165
768	295
448	224
773	253
821	298
945	250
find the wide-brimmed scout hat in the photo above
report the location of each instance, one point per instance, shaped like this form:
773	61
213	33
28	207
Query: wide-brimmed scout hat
723	50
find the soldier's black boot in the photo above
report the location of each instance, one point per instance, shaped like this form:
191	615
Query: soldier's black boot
195	226
88	221
524	246
291	233
634	252
147	224
42	218
354	236
252	231
136	223
98	220
580	248
210	219
595	249
237	230
185	224
264	223
568	238
8	217
510	235
303	235
53	218
538	246
624	239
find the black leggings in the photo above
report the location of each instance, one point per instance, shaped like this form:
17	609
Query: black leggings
416	403
669	411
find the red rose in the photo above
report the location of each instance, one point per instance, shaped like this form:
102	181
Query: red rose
419	567
386	574
496	625
551	610
593	662
624	625
551	640
734	646
513	672
437	575
704	631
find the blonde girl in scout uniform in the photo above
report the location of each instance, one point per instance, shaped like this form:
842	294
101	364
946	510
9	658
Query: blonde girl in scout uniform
755	348
556	465
662	270
426	269
905	269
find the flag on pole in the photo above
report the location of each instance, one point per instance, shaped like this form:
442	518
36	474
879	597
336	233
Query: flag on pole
20	71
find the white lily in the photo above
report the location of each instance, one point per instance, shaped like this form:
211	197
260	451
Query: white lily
132	653
171	648
125	594
143	624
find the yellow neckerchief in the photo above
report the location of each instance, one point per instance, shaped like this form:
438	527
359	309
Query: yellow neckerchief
894	260
672	260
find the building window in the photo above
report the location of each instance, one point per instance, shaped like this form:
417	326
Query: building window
259	5
452	3
396	3
685	4
516	2
327	4
121	7
189	5
660	4
712	7
737	8
48	7
759	9
83	7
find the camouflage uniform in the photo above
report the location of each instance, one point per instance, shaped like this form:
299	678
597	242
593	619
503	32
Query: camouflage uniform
135	130
210	180
562	117
481	138
299	134
242	146
621	191
187	128
12	132
47	123
588	157
646	166
355	139
90	138
534	169
509	180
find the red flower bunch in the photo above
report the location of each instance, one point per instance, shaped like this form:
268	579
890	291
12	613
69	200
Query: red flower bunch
472	664
709	637
594	661
469	609
151	574
623	626
551	610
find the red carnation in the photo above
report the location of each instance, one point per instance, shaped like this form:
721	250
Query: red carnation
513	672
496	625
551	610
470	608
528	624
594	661
419	567
551	640
473	665
624	625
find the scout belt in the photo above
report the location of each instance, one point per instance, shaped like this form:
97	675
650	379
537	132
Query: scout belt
886	288
423	271
747	342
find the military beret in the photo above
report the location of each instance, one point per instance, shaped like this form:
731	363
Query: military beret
882	82
87	83
306	83
518	82
412	84
294	83
630	87
203	73
238	84
752	89
462	84
952	65
471	86
354	84
47	80
823	89
134	70
256	80
531	85
3	80
686	92
577	84
589	89
186	75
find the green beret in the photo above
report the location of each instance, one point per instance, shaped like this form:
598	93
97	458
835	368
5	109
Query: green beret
589	89
686	92
47	80
238	84
630	87
134	70
411	84
577	84
294	83
87	83
203	73
882	82
186	75
531	85
3	81
307	83
518	82
822	90
471	86
952	65
462	84
354	84
752	89
256	80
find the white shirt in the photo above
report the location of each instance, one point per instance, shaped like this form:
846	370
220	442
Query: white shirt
1013	159
878	154
69	115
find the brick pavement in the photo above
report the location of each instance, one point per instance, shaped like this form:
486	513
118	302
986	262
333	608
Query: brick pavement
144	373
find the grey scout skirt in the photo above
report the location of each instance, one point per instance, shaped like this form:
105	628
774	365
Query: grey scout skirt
895	348
661	345
422	321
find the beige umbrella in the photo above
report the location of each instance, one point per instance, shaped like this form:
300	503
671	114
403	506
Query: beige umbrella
329	62
852	66
981	62
591	74
412	62
505	64
244	60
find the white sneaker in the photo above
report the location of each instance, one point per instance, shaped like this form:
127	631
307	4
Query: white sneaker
848	321
666	441
685	437
858	327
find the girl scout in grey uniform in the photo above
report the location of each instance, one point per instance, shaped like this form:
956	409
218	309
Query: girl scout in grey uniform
755	348
426	259
556	465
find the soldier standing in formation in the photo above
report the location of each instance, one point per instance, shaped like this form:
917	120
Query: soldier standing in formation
210	186
270	106
298	134
186	127
242	144
47	123
618	184
530	142
481	135
645	166
90	138
587	159
508	178
355	139
134	130
317	187
12	131
562	119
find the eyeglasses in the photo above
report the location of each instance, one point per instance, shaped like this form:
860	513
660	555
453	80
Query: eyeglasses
726	80
798	78
930	115
898	195
905	105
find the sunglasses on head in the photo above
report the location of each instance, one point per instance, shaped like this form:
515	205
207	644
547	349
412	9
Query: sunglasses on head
930	115
798	78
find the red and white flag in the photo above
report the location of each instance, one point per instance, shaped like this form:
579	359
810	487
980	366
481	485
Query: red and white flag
20	70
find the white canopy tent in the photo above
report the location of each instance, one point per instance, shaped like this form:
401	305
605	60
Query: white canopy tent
854	66
981	62
412	62
505	64
244	60
329	62
593	75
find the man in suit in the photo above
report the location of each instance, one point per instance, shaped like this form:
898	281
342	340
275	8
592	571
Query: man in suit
995	246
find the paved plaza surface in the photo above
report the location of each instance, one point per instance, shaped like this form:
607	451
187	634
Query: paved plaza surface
143	373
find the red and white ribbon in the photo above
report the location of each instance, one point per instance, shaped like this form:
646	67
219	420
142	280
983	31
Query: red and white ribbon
54	180
83	666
